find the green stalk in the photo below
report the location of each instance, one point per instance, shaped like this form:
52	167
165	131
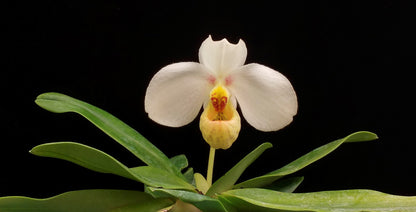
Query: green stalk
210	165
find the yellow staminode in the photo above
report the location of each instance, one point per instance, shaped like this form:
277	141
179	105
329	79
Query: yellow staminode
220	122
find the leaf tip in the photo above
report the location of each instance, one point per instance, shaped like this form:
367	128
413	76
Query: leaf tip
52	101
33	151
47	95
268	145
361	136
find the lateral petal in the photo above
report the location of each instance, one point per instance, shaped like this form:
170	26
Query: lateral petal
221	57
176	93
267	99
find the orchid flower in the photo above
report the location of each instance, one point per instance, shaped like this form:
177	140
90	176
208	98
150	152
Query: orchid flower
218	83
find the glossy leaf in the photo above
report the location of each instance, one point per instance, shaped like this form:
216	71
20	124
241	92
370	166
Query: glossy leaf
202	202
255	199
87	200
305	160
227	181
99	161
288	185
112	126
161	178
84	156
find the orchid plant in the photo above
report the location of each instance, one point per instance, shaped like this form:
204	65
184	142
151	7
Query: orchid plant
218	83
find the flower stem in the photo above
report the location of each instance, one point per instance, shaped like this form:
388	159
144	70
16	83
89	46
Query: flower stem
210	165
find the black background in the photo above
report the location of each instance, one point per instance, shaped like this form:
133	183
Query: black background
345	61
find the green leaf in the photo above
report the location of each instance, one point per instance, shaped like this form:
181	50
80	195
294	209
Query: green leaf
83	155
180	161
255	199
305	160
161	178
118	130
288	185
227	181
201	183
189	176
202	202
86	200
99	161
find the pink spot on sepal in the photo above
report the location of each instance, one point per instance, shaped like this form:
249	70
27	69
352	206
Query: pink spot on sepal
212	79
228	80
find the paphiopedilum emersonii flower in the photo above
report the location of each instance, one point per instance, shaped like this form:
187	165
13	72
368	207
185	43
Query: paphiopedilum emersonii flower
218	83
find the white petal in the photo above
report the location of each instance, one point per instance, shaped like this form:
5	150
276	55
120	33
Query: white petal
176	93
221	57
266	97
